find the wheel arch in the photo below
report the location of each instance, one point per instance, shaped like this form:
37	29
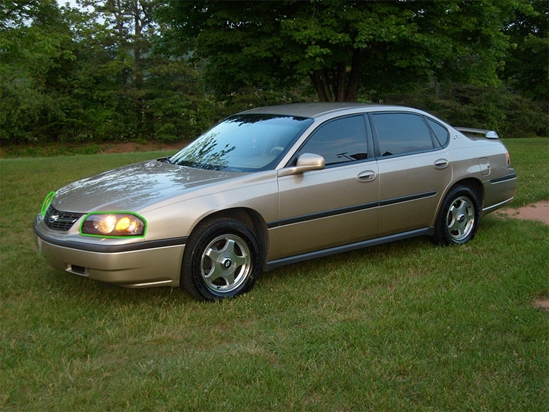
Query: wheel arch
474	184
249	217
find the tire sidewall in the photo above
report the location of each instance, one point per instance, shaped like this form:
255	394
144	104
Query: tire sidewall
442	234
191	276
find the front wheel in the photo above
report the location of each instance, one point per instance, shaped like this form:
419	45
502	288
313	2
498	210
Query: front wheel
221	260
458	218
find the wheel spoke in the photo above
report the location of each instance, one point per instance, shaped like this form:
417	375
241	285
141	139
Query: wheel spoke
216	275
213	264
213	254
225	263
461	218
462	208
454	226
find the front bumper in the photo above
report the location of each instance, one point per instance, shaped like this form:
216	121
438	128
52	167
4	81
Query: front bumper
137	268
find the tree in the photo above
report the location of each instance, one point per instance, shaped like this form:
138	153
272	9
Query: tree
527	68
90	75
131	30
343	47
36	50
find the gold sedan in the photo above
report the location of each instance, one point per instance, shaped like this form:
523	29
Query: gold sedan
273	186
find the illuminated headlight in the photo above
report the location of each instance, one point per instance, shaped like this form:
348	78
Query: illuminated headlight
115	224
47	203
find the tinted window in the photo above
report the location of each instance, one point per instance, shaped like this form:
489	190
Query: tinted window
440	132
399	133
339	141
245	142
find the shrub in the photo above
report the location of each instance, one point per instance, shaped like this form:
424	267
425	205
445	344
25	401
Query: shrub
483	107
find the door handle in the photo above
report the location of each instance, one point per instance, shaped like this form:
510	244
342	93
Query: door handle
366	176
441	163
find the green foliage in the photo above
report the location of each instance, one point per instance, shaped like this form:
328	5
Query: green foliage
134	70
70	75
527	68
484	107
35	48
382	46
525	117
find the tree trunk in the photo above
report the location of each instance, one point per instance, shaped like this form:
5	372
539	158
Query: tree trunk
340	82
137	44
321	85
343	86
353	84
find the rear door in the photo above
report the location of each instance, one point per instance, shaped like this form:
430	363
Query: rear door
334	206
414	171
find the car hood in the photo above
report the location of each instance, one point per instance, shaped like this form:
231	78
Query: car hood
135	187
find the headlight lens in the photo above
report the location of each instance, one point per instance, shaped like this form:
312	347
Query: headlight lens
115	224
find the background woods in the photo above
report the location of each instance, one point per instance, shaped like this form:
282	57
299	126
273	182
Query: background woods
164	70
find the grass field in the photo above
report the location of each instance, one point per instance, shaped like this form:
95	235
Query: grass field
405	326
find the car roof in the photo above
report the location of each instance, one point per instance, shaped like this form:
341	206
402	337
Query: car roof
317	109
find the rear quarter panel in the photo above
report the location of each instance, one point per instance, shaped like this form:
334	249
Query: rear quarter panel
486	161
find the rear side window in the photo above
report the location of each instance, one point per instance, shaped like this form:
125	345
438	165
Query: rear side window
440	131
399	133
339	141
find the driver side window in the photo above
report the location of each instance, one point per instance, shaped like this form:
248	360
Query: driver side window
339	141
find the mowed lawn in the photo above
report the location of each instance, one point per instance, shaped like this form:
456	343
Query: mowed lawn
403	326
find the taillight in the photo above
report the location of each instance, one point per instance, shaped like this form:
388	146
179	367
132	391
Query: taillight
508	159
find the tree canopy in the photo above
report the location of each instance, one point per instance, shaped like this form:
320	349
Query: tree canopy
527	66
343	47
134	70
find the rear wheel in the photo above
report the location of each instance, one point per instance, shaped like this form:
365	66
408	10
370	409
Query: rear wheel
458	218
221	260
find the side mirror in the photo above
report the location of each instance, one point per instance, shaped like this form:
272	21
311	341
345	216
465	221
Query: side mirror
305	163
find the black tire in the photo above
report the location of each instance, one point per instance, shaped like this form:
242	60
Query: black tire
458	218
221	260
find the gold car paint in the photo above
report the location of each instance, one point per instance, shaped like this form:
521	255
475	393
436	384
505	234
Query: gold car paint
414	177
179	216
149	267
494	195
343	201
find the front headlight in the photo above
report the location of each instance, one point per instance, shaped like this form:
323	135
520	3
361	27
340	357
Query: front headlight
47	203
113	224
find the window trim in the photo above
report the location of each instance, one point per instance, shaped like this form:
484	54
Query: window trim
427	119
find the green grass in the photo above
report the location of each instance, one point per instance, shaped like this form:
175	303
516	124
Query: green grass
404	326
530	158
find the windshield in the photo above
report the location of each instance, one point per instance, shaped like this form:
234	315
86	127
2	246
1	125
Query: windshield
243	143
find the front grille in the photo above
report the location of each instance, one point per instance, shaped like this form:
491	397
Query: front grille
57	220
